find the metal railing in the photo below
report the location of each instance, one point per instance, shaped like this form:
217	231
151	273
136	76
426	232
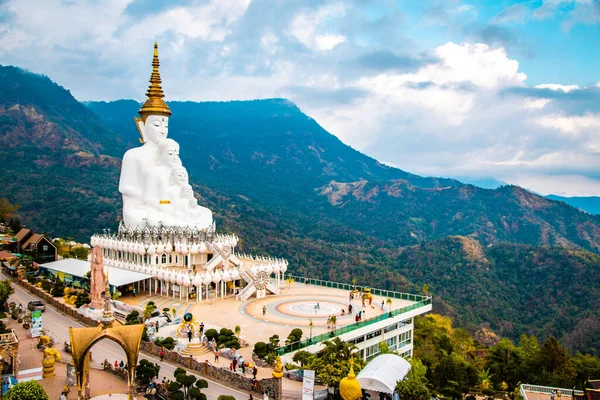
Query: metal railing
548	390
352	327
391	294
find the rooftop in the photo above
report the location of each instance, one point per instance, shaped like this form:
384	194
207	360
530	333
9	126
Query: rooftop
116	276
293	308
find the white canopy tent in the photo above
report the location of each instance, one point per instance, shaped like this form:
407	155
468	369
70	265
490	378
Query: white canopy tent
116	276
382	373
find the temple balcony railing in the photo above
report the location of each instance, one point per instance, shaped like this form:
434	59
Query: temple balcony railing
347	286
295	346
524	388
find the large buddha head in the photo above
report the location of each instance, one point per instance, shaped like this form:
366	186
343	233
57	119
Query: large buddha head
168	153
155	113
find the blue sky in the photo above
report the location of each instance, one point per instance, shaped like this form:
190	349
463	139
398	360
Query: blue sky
508	90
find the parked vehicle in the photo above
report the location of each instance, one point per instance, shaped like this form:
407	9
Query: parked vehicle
36	305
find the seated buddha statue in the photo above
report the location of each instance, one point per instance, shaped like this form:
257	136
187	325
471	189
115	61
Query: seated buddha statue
158	193
196	216
137	162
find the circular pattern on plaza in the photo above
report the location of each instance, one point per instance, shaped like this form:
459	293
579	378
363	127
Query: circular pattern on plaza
297	310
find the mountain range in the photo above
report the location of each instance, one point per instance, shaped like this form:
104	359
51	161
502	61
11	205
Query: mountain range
289	188
590	204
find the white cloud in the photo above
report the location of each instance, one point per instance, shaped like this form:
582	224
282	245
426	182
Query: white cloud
311	28
210	21
561	185
556	87
571	124
531	103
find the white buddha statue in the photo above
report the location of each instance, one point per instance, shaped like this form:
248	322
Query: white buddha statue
153	127
159	179
196	216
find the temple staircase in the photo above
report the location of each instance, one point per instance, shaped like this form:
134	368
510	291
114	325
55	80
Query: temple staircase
246	292
250	289
196	350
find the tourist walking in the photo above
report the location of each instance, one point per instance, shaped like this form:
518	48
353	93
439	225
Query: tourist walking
217	356
235	363
162	353
134	292
264	310
350	309
254	371
201	328
190	334
382	302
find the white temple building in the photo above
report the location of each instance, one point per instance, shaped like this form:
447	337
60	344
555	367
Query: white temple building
165	234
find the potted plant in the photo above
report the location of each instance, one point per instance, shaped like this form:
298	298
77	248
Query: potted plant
27	321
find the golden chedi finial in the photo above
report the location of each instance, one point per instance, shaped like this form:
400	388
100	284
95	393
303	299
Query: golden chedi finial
349	387
155	105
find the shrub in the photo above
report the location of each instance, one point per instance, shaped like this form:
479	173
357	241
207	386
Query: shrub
260	349
294	336
145	371
46	285
132	318
167	343
225	397
211	333
82	298
3	328
58	290
30	390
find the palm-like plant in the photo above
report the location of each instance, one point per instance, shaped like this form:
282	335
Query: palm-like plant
336	349
485	379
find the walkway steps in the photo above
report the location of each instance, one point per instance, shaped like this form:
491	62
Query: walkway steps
196	349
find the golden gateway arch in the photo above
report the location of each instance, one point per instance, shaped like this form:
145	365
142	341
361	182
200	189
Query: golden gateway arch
83	339
128	337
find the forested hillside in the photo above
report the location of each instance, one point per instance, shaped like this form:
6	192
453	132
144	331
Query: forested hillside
288	188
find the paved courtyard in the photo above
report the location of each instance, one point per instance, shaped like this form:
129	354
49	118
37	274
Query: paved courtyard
293	308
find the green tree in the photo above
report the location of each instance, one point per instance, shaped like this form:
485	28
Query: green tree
414	386
556	366
183	387
7	210
224	397
237	330
30	390
384	348
337	349
145	371
148	310
505	361
586	367
303	357
6	290
531	351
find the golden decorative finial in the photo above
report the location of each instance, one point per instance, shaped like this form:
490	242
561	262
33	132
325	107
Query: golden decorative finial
278	371
155	105
349	386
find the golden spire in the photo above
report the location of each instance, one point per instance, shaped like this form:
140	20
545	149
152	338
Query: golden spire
155	105
349	386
